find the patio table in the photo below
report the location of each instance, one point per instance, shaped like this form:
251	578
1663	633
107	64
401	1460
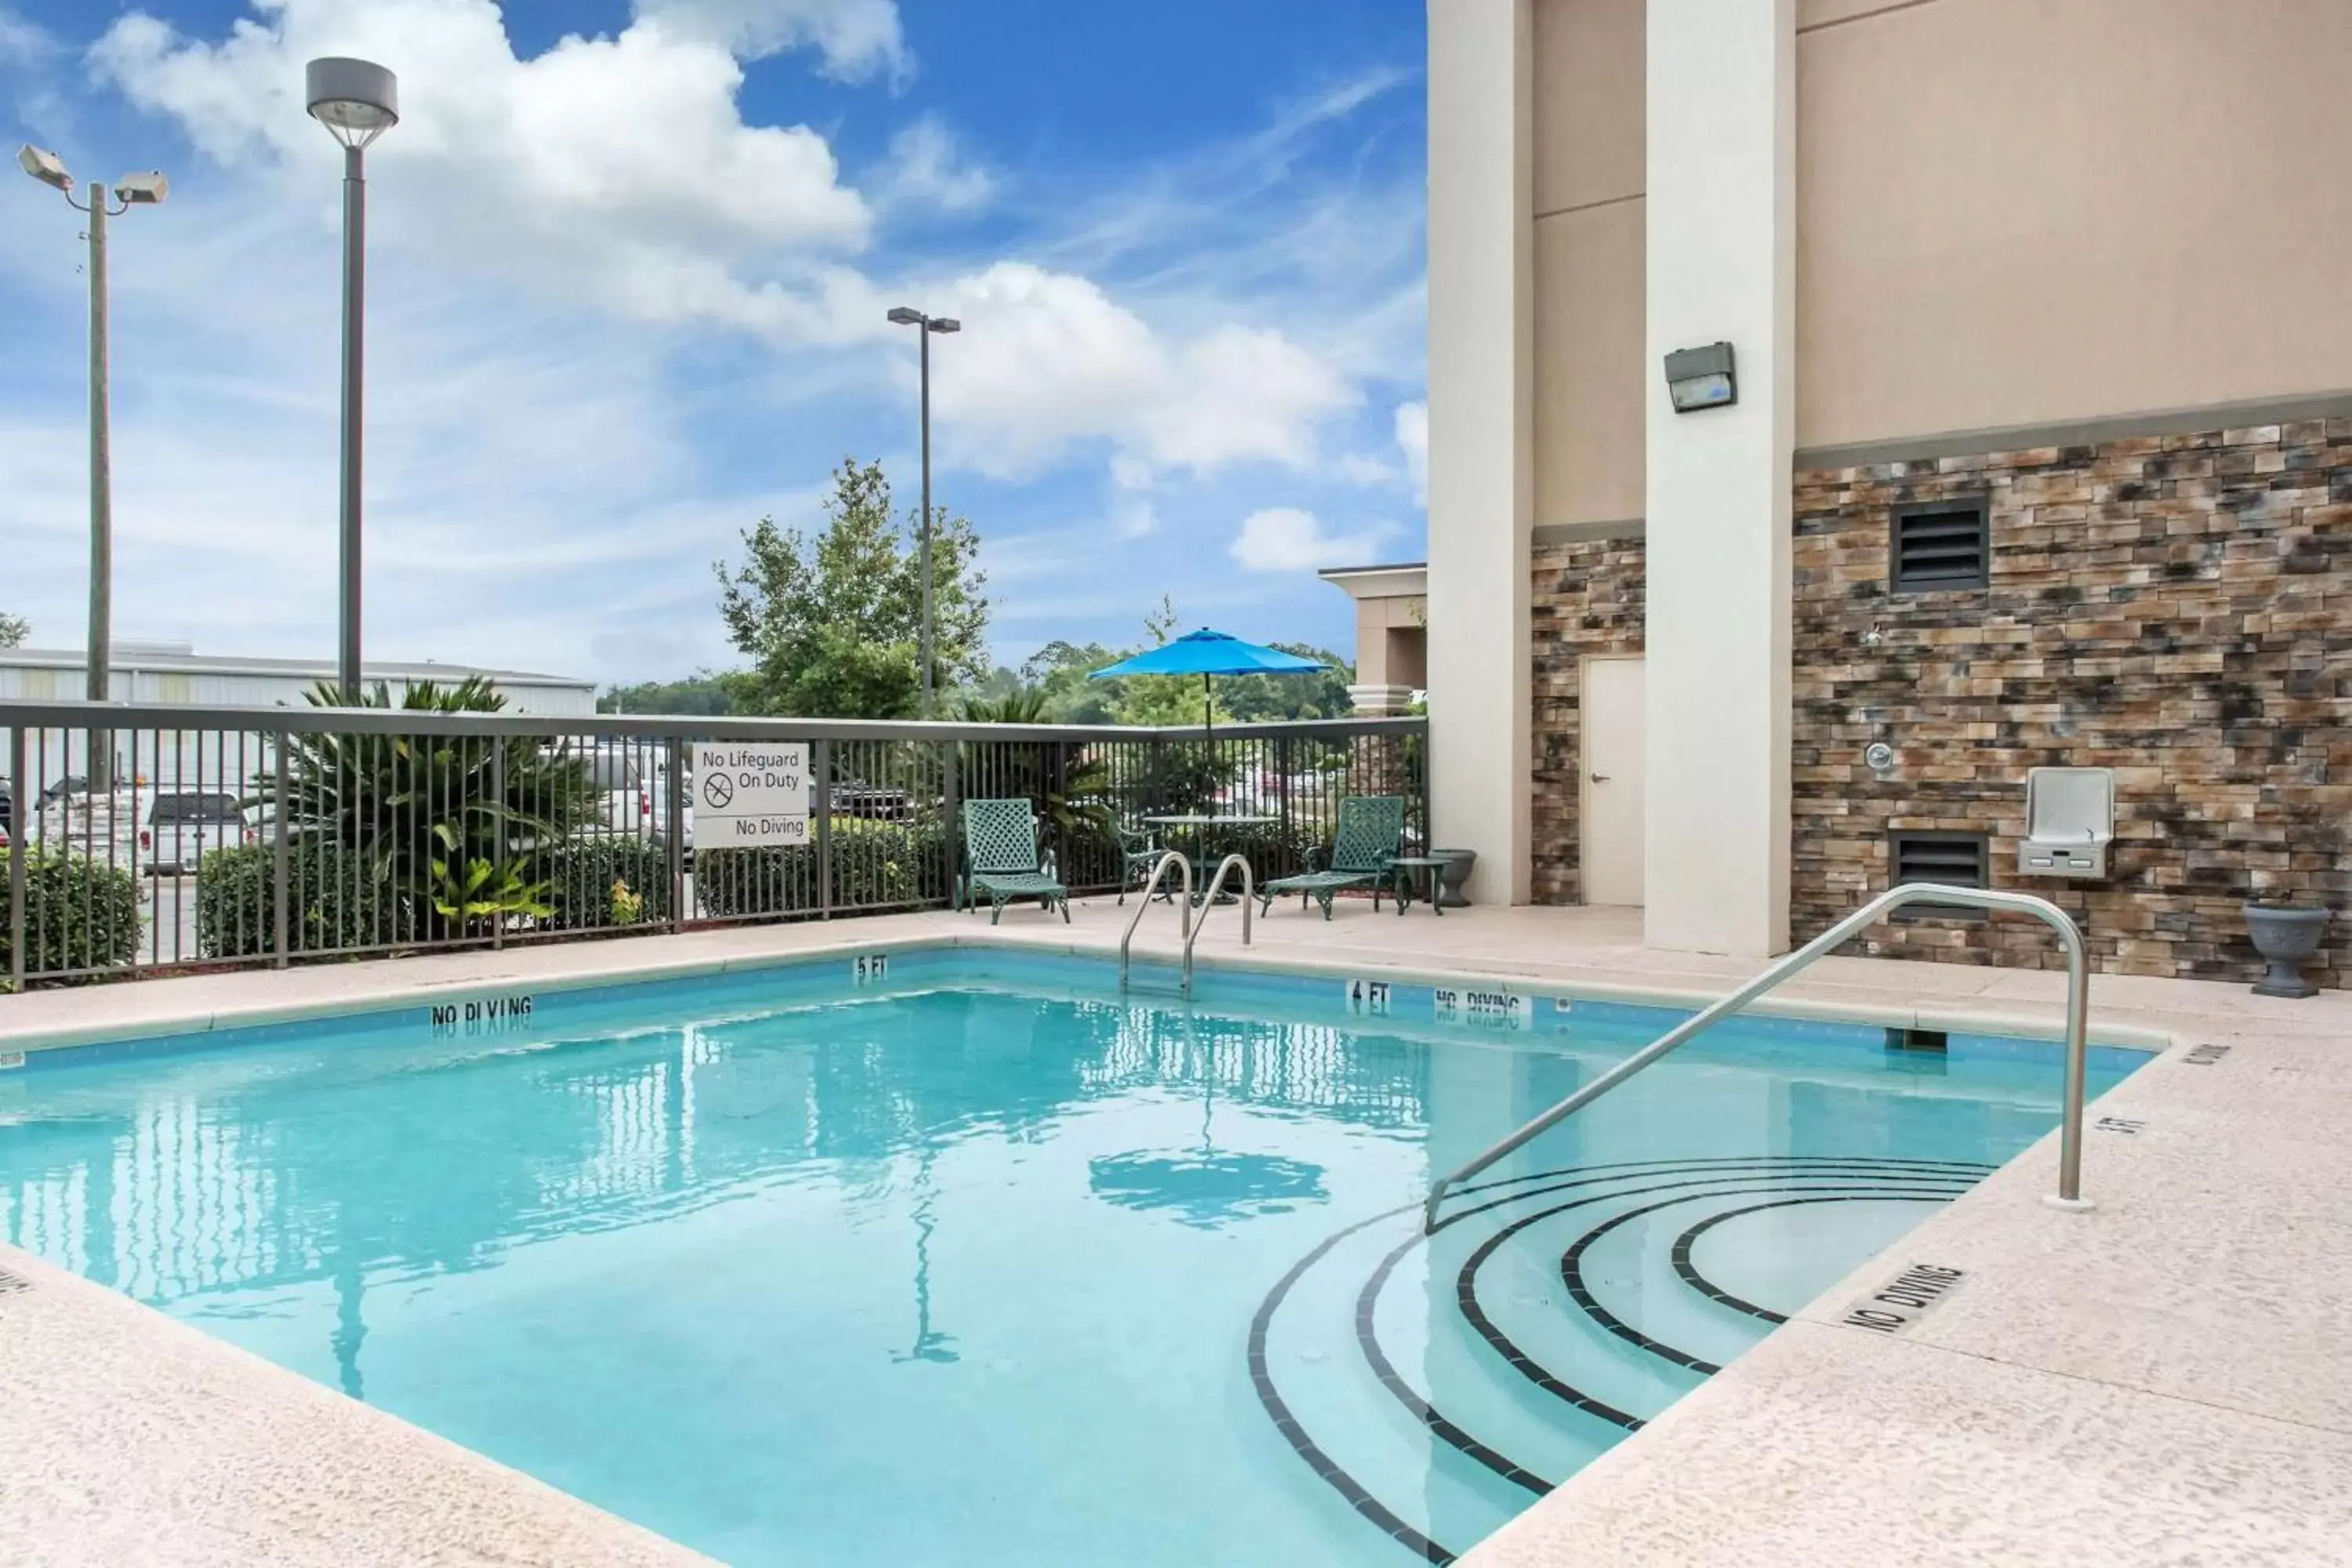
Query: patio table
1202	828
1407	869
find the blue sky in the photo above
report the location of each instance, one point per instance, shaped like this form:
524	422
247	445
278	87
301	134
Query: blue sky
629	260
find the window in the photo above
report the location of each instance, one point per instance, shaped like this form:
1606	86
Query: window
1941	545
612	770
1954	859
194	808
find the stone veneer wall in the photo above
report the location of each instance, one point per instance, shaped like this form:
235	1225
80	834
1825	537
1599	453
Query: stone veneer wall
2173	607
2178	608
1588	599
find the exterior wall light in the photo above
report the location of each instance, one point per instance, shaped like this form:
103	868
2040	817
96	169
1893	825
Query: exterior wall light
1702	378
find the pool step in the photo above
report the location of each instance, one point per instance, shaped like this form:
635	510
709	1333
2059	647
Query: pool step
1440	1384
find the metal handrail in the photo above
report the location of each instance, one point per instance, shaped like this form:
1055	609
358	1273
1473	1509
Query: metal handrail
1208	903
2070	1146
1149	888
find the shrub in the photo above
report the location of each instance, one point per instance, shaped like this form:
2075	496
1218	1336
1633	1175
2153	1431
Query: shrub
78	915
582	874
332	901
874	863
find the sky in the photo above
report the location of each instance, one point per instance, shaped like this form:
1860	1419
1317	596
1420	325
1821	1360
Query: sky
629	262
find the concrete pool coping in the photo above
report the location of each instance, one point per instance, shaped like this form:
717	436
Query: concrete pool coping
2168	1378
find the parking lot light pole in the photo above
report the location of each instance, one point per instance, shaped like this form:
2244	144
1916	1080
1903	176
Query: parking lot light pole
904	317
131	190
357	101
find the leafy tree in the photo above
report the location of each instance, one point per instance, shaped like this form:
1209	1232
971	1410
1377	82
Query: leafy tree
834	621
701	693
13	630
1269	698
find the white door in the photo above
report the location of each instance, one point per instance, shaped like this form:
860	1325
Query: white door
1611	762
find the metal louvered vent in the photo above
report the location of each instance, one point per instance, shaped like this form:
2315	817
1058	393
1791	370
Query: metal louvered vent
1940	545
1955	859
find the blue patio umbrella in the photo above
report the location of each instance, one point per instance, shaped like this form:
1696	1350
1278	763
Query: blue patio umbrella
1208	654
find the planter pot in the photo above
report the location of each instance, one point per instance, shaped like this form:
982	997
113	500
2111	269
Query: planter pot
2287	935
1452	877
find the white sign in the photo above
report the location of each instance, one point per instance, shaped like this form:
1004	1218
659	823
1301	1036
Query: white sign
870	968
750	793
1481	1006
1368	998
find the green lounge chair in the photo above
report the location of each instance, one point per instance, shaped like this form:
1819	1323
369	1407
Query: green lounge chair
1002	860
1371	835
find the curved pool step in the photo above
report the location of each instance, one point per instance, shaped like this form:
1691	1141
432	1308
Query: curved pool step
1439	1383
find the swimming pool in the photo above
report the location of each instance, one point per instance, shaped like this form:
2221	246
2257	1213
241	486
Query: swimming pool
960	1257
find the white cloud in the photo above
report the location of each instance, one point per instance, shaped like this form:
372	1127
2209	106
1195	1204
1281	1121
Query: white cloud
1048	359
1284	538
1365	468
860	38
620	167
927	171
22	42
1412	435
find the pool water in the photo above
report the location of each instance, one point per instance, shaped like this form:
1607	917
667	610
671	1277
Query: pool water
982	1263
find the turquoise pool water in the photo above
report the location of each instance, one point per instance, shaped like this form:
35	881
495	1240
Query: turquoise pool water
962	1260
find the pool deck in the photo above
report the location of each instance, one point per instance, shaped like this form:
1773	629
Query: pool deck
2167	1379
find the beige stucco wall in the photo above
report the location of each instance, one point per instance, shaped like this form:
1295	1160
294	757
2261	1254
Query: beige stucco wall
2018	210
1589	158
2009	212
1391	637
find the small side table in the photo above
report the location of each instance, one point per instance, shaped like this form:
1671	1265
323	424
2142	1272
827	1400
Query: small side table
1428	867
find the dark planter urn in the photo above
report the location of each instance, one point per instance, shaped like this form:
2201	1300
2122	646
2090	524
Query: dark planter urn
2287	935
1453	876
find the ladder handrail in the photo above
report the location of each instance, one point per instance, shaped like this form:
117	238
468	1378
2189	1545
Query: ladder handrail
1143	904
2070	1149
1217	886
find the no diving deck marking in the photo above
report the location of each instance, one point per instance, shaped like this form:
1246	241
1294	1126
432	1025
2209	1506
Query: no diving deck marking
2206	1056
1899	1303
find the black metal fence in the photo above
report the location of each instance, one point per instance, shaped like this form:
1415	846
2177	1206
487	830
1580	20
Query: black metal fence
142	840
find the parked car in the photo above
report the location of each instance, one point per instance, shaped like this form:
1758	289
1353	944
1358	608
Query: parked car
634	782
183	823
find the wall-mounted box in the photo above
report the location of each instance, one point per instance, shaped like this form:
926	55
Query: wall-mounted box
2070	821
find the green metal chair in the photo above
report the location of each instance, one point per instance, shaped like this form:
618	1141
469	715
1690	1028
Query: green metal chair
1139	856
1371	835
1002	860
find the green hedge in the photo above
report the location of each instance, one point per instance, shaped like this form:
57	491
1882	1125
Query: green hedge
78	915
581	874
874	863
333	903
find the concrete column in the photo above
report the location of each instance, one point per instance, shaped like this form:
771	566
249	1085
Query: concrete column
1721	268
1481	432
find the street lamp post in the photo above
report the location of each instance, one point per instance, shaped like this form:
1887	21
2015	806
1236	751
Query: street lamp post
904	317
131	190
357	101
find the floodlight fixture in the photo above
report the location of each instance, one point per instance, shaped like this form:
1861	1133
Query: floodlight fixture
45	167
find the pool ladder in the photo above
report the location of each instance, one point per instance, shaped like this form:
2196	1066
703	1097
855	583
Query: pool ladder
1192	927
2069	1194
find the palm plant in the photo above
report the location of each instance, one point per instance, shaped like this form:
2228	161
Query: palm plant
447	828
1078	804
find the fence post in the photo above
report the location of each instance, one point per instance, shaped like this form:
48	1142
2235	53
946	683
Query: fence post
949	836
18	797
822	765
279	913
500	826
673	829
1282	798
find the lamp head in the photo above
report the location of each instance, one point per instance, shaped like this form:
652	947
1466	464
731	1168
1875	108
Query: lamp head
903	316
356	100
143	190
946	324
45	167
